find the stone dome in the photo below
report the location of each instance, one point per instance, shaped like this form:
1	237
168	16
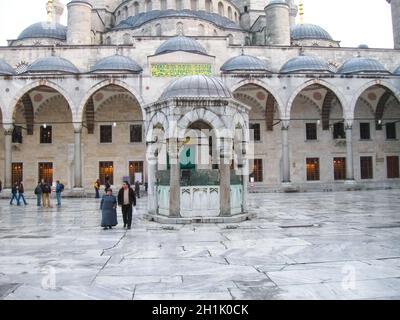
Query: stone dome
44	30
362	65
6	69
309	31
196	86
244	63
304	63
117	63
52	64
181	43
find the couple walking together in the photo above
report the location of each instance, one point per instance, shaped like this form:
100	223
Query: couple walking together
126	200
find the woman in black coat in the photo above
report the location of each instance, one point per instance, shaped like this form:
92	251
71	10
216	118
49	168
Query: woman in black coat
108	209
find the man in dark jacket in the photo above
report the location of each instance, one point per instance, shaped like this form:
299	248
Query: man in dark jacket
14	192
126	198
21	192
46	191
38	193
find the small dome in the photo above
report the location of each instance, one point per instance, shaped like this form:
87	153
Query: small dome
6	69
363	46
82	1
303	63
196	86
362	65
309	31
181	43
244	63
117	63
52	64
44	30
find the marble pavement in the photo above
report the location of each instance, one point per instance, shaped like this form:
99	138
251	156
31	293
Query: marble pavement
343	245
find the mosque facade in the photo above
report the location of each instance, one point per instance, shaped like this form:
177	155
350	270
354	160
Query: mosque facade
81	102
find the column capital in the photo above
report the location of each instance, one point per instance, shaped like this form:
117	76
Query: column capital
348	124
285	124
78	127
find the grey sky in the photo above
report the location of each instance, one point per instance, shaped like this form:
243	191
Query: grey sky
353	22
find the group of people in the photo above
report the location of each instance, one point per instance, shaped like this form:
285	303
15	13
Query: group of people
43	192
126	200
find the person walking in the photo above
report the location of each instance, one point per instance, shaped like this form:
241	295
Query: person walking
126	198
59	189
108	207
14	192
21	192
107	185
137	189
46	191
97	186
38	193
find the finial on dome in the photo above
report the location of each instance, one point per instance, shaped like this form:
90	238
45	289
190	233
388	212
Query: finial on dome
301	10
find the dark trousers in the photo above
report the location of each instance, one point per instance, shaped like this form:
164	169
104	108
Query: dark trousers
97	193
127	214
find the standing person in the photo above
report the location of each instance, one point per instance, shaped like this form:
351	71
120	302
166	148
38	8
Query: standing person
46	191
137	189
108	207
1	186
126	198
14	191
107	185
59	190
38	193
97	186
21	192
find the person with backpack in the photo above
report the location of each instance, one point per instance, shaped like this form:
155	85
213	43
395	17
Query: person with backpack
14	192
46	191
38	193
59	190
21	192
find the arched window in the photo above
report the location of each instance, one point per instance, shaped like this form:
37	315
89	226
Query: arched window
220	8
179	29
179	4
202	30
158	30
163	4
136	8
108	41
236	16
230	13
149	5
230	39
193	5
127	39
215	32
125	15
209	6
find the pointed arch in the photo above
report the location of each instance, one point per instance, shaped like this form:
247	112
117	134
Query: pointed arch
339	95
41	83
102	85
390	90
263	85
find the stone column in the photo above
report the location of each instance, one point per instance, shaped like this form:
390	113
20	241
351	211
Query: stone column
175	180
8	158
285	152
225	177
349	152
78	157
151	176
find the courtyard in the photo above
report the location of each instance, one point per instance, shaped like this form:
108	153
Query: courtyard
337	245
